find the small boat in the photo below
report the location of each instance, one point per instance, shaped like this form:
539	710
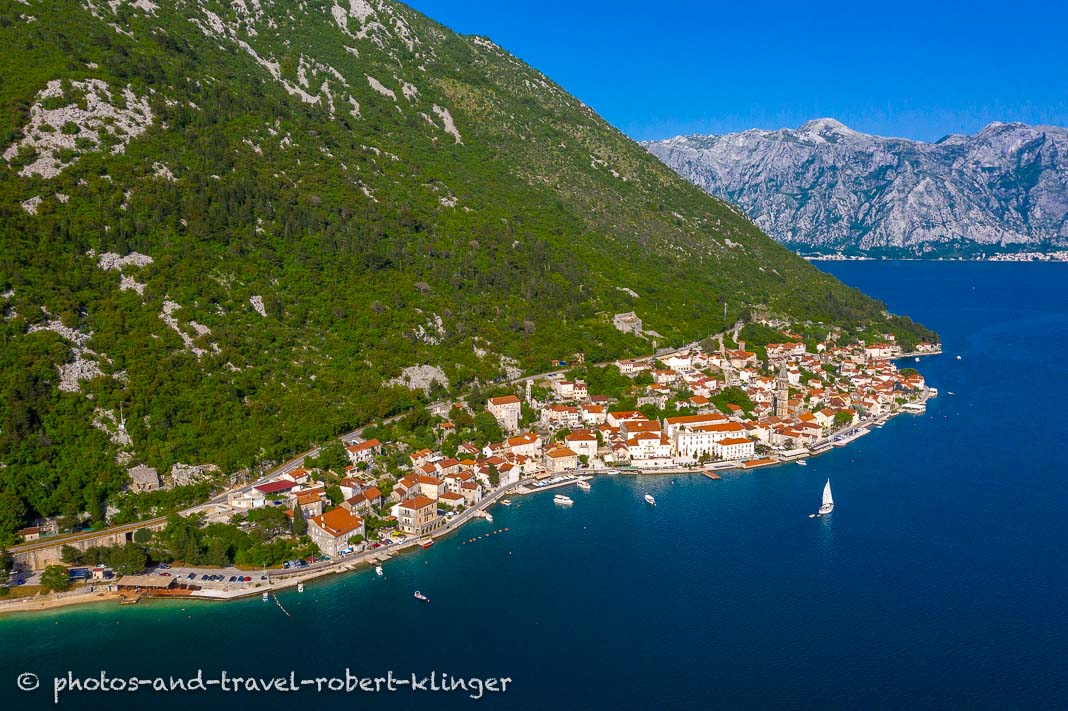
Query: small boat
489	518
378	570
958	357
421	597
828	501
562	500
650	500
506	502
802	463
426	542
264	597
917	359
584	485
300	587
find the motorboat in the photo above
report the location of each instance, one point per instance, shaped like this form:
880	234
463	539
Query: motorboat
300	587
489	518
584	485
426	542
563	500
506	502
650	500
378	570
421	597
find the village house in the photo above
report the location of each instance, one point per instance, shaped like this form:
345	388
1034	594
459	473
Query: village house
451	500
332	531
782	351
615	419
310	502
363	451
528	444
420	457
417	516
561	416
582	442
560	459
507	409
593	415
630	368
649	449
732	449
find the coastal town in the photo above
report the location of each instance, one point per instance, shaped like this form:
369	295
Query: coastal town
719	405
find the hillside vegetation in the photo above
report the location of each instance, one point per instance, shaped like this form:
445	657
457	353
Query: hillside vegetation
244	227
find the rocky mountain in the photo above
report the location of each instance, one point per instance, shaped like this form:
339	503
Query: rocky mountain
827	188
233	228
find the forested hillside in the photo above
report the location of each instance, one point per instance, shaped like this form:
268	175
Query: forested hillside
244	227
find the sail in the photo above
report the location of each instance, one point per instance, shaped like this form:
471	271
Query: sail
827	494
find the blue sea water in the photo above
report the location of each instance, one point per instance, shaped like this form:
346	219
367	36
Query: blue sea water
938	582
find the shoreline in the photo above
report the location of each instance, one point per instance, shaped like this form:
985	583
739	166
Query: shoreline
285	581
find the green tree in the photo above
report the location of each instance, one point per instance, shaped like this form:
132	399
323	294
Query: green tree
70	554
217	554
6	564
494	475
55	578
12	516
300	525
842	418
128	559
142	536
488	429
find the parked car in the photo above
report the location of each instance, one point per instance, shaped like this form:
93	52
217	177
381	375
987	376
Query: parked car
164	566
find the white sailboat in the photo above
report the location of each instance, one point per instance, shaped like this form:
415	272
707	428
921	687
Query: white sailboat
828	501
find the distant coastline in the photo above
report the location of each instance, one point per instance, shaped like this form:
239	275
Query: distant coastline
1057	256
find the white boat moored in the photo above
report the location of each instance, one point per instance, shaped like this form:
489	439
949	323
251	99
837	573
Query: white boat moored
378	570
584	485
563	500
650	500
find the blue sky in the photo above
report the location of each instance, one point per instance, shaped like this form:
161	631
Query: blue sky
912	69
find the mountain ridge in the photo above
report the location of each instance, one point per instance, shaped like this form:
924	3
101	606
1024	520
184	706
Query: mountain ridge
826	188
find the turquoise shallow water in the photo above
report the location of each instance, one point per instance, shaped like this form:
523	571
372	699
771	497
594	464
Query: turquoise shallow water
938	582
